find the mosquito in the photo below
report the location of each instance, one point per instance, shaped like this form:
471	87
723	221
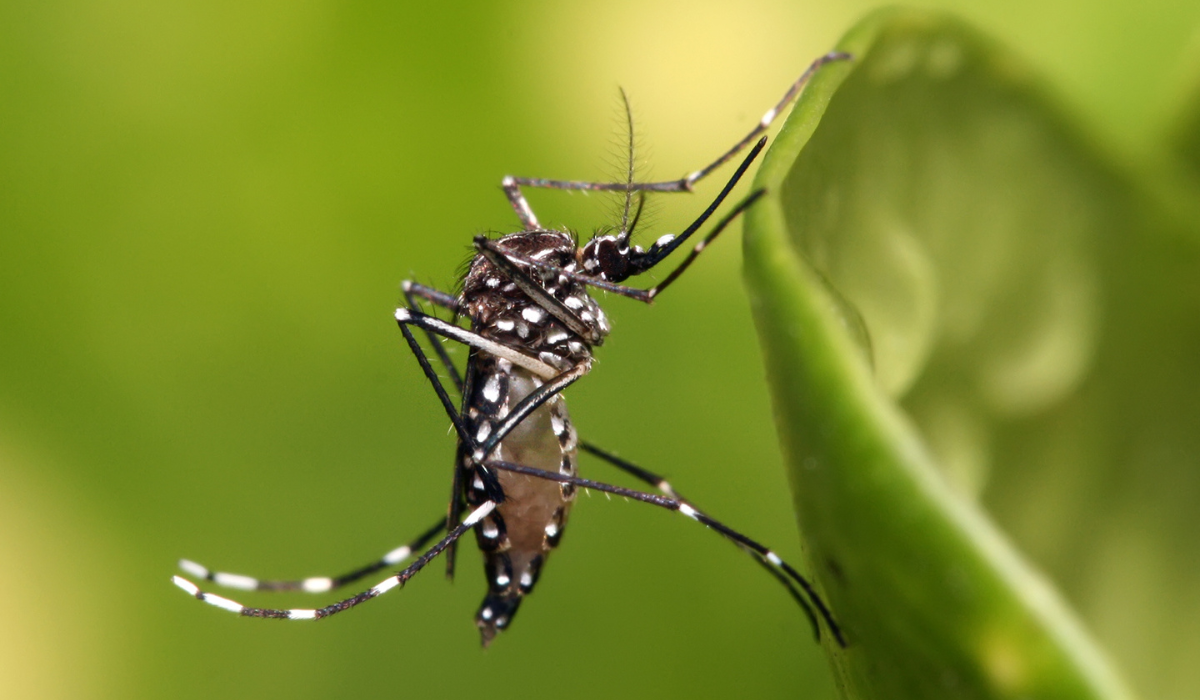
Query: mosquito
532	328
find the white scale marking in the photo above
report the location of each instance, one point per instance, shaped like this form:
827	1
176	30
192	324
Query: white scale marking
486	613
491	390
557	424
526	580
573	303
193	568
688	511
505	324
774	559
502	580
185	585
317	584
244	583
664	239
533	314
479	513
768	117
385	585
397	555
557	337
551	530
223	603
485	429
301	614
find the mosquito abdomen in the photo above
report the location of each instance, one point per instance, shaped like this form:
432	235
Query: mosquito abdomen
518	536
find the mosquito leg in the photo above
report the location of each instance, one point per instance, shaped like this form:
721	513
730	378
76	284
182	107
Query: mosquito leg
512	190
643	475
492	486
374	592
768	117
660	483
313	584
687	509
414	291
512	185
454	511
435	381
406	316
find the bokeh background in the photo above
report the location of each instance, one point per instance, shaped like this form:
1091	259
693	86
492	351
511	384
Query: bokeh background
206	210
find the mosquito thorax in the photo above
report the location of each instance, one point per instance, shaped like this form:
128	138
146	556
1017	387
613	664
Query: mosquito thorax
505	313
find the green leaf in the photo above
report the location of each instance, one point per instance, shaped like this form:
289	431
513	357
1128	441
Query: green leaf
946	280
1186	136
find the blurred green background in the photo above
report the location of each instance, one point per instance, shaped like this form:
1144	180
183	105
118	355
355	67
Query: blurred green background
206	210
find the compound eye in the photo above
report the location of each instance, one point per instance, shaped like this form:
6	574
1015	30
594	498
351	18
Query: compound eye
613	264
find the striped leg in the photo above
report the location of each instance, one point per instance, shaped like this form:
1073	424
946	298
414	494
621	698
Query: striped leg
512	185
374	592
313	584
660	483
414	291
765	558
406	317
677	504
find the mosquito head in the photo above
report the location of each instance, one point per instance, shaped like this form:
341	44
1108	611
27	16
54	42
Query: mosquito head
607	257
613	259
